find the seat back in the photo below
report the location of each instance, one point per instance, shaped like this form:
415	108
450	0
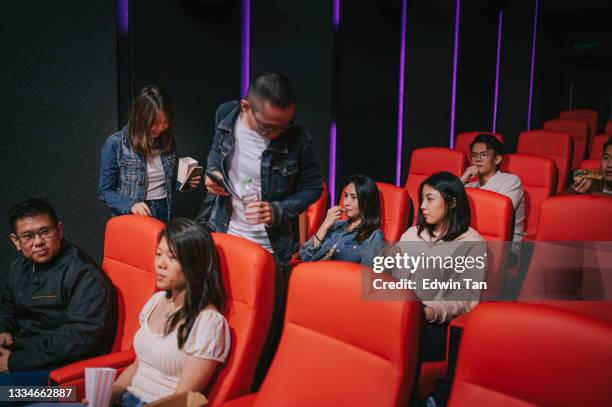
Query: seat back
579	131
536	352
395	210
550	144
608	129
539	178
575	217
492	215
315	213
130	243
248	275
337	349
586	115
427	161
463	141
591	164
597	146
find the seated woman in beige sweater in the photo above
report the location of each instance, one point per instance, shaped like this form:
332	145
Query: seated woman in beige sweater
443	232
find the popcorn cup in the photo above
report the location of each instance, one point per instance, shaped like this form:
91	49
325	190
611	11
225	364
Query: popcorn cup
99	385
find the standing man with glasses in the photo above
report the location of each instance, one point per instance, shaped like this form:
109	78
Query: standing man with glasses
486	157
257	142
58	306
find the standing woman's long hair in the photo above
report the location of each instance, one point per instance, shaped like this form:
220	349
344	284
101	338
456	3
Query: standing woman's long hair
456	220
145	107
195	251
368	200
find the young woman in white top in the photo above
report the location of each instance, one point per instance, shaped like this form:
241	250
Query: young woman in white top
183	336
137	164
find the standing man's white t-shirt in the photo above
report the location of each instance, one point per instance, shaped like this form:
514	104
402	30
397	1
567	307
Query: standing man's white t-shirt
245	161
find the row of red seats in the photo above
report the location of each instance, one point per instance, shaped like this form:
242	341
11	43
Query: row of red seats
129	252
328	342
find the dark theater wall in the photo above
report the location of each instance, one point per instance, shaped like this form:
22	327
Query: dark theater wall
476	65
429	61
304	53
192	50
58	104
369	48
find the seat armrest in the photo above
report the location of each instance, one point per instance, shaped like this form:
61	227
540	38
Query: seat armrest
460	321
76	370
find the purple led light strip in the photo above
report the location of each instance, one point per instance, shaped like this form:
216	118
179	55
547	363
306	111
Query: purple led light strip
333	127
454	92
245	48
495	100
533	47
400	104
123	16
332	162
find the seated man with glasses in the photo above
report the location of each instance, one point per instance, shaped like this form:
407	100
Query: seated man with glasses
486	157
58	305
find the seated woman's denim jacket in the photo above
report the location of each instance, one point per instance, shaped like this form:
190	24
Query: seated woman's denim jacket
123	174
341	245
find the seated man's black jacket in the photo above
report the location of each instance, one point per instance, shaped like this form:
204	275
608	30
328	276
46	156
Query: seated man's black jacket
58	312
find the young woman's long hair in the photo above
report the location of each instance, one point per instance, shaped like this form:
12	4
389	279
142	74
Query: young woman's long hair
195	251
369	206
456	220
145	107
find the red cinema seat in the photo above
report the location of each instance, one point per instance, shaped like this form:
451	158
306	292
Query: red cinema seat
130	243
591	164
579	131
572	254
395	208
340	350
608	129
597	146
586	115
539	178
463	141
575	217
526	355
549	144
315	213
427	161
249	282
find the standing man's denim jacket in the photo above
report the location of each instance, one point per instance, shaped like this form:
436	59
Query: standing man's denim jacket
340	244
290	181
123	174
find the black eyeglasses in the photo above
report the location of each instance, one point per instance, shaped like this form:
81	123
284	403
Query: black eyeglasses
44	233
263	130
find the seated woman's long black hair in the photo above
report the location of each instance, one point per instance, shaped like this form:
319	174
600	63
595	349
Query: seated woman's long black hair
195	251
456	207
369	206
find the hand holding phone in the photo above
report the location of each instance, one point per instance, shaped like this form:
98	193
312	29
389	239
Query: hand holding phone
215	184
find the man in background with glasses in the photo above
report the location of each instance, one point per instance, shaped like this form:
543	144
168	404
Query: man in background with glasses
58	306
486	157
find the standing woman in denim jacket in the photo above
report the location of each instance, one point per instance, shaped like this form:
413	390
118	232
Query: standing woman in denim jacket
356	239
137	164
